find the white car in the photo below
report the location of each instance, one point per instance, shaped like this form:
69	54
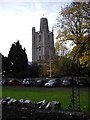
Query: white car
26	81
50	83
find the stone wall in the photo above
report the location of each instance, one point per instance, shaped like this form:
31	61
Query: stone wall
13	109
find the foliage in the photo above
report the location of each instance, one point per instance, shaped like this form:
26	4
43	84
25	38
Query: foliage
85	57
6	67
48	70
17	59
66	66
61	48
60	66
16	64
34	70
73	24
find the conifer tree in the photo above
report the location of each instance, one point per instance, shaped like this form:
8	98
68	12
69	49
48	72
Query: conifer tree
18	58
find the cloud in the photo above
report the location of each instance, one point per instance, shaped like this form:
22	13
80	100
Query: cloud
44	1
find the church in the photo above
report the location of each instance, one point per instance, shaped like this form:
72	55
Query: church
42	43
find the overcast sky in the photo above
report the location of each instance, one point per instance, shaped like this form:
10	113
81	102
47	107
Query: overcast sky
17	17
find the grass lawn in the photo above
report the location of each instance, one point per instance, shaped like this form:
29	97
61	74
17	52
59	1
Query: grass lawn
0	91
48	94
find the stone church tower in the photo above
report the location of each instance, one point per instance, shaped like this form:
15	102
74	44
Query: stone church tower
42	43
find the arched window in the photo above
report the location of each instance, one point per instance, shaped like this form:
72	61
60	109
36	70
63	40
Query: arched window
39	48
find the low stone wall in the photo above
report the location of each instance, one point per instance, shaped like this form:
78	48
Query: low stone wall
13	109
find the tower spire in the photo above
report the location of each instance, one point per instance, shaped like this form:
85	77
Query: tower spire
44	25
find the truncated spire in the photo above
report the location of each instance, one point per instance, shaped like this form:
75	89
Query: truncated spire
44	25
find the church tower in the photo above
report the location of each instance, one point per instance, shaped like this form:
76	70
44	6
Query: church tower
42	43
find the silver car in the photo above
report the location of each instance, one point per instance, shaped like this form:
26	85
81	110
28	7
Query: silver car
51	83
66	83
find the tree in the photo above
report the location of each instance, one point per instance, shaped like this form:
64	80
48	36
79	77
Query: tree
61	48
17	58
49	69
34	70
66	66
73	25
31	71
85	57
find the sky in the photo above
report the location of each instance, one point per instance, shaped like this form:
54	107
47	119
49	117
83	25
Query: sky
17	17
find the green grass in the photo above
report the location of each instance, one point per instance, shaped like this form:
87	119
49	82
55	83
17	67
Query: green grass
0	90
48	94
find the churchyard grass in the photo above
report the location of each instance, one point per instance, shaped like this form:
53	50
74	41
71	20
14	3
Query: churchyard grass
61	94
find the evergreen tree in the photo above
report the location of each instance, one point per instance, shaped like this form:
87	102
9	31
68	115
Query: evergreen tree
17	58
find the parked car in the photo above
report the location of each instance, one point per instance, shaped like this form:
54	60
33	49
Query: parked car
66	83
40	83
82	83
14	82
53	83
28	82
72	82
5	82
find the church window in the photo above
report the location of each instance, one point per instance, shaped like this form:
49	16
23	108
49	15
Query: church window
39	57
39	38
48	37
39	48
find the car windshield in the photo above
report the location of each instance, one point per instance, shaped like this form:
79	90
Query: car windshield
51	81
39	81
66	81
